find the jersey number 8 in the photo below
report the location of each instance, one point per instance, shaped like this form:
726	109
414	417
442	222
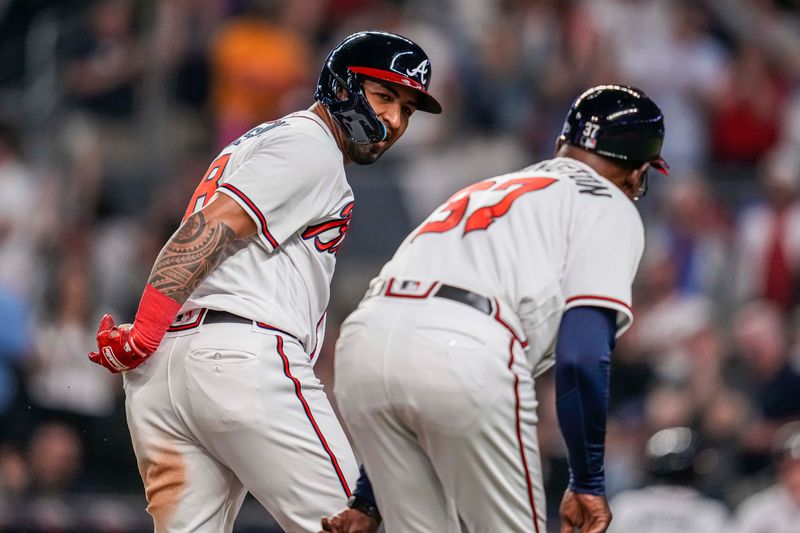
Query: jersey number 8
208	185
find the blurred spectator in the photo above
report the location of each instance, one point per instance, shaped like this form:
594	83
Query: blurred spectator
722	419
777	508
498	96
15	344
257	64
669	53
58	377
747	115
769	376
670	504
14	481
105	63
574	57
693	235
54	456
667	317
103	73
705	359
184	29
769	235
20	221
669	405
762	341
118	264
632	377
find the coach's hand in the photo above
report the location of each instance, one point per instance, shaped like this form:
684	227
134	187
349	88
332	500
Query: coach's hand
117	349
587	512
350	521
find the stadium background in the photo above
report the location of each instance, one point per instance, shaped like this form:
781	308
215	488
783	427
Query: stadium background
111	110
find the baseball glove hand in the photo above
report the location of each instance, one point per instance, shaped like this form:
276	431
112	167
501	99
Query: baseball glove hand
117	349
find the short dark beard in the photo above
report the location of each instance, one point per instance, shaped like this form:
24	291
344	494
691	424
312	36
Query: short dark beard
362	154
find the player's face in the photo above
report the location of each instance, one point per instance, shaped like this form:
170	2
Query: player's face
393	104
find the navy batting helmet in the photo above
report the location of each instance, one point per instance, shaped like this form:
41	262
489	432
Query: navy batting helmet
375	54
619	122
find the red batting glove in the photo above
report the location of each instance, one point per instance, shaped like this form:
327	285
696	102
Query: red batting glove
117	348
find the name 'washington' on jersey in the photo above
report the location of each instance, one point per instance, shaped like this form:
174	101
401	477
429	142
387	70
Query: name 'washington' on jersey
288	175
543	239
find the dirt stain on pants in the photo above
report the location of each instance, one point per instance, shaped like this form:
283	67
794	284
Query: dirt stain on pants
164	476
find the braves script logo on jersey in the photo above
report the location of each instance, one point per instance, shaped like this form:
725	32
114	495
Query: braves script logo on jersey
328	236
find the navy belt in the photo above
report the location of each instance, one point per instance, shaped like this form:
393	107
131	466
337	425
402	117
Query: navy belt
213	316
419	290
472	299
223	317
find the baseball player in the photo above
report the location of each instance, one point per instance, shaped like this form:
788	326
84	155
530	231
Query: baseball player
669	504
221	396
435	369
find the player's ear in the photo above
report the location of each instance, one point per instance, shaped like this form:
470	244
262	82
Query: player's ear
634	175
637	179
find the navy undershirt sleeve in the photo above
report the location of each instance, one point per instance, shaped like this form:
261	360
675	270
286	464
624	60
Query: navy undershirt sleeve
364	487
583	358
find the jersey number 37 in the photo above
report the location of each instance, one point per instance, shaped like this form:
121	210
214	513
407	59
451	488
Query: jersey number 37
482	217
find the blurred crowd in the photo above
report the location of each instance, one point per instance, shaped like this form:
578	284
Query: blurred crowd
110	110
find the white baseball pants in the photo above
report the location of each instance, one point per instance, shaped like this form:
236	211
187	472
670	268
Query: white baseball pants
224	409
439	401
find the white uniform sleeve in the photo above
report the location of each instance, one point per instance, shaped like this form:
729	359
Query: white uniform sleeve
602	259
284	184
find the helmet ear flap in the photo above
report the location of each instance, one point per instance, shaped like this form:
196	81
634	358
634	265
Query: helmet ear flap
354	114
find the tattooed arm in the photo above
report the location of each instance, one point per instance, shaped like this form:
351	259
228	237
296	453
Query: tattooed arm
188	257
196	248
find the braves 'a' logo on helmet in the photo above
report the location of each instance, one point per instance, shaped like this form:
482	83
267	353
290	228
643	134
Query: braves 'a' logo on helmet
420	70
409	64
328	236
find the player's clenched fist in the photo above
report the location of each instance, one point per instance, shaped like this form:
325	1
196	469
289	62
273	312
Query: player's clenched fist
117	347
350	521
587	512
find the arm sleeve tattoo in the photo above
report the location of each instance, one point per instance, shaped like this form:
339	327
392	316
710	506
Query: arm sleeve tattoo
190	255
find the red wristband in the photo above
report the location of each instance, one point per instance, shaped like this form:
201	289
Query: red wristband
156	312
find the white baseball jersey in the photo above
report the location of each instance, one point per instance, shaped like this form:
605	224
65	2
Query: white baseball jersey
543	239
667	509
288	175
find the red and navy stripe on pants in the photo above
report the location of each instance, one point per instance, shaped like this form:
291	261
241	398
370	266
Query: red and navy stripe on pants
299	392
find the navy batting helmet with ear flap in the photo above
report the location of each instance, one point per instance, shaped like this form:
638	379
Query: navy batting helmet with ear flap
375	54
619	122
